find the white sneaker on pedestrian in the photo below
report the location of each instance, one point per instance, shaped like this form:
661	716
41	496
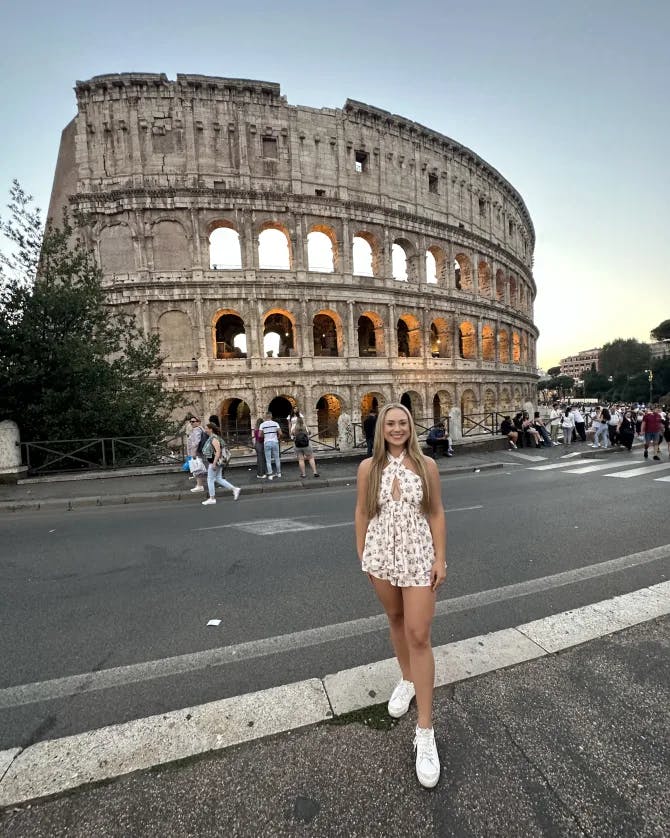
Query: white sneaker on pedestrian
209	501
400	699
197	489
271	477
236	492
279	474
427	760
261	476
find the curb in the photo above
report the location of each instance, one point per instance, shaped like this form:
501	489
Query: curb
54	767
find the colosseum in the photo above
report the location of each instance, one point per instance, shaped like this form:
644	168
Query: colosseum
288	255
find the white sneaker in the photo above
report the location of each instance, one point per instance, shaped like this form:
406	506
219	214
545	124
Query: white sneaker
427	760
400	699
209	501
271	477
236	493
197	489
279	474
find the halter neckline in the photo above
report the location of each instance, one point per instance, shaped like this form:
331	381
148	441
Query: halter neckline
396	460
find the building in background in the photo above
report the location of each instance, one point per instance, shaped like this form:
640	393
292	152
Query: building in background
576	365
659	349
333	259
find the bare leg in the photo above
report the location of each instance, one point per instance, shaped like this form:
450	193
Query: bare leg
419	607
301	465
391	599
312	463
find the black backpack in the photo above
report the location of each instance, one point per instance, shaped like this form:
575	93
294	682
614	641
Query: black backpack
301	439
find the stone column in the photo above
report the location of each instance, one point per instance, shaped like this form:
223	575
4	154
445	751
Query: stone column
307	332
392	349
11	468
346	260
387	261
351	336
480	353
299	244
204	347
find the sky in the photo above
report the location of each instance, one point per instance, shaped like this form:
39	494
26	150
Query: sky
568	100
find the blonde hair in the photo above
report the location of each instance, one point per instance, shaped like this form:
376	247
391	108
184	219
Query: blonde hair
380	459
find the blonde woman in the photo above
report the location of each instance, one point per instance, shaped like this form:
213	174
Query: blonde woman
401	539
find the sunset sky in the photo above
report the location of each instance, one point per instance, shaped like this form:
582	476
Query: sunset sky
569	101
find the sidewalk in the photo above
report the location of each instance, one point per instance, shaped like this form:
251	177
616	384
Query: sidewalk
575	743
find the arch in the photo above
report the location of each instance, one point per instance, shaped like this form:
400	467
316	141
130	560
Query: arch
327	334
524	348
366	254
469	403
503	346
235	419
176	336
488	344
328	410
278	334
229	335
274	247
372	400
171	247
409	336
440	338
115	246
467	340
414	403
321	249
516	348
500	286
505	401
370	335
225	253
513	292
442	405
462	272
280	407
484	278
490	400
436	265
403	260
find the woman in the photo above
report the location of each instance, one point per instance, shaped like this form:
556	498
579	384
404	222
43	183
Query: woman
568	425
259	448
212	455
303	449
626	430
602	438
194	443
293	417
401	540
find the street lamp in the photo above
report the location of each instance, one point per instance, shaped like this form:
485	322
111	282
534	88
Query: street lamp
650	376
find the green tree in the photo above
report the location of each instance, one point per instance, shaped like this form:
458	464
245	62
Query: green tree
595	384
662	331
564	383
552	372
70	366
624	358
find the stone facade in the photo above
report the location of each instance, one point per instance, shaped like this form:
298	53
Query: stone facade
437	311
576	366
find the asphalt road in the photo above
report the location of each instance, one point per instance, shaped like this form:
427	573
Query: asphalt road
123	595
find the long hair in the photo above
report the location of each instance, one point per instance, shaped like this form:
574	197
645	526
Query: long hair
380	458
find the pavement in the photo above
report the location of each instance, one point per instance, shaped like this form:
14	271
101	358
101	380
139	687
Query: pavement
558	727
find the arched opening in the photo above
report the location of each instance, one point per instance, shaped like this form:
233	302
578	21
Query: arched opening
440	339
321	250
503	346
230	339
274	249
365	255
516	348
467	341
235	420
436	265
489	400
513	292
412	401
484	278
371	401
280	407
469	407
441	405
278	336
488	344
328	409
225	253
500	286
409	337
370	336
399	263
462	272
326	337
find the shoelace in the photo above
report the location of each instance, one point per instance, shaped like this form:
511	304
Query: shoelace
424	744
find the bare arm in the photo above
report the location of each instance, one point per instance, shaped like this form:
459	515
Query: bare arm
361	519
437	522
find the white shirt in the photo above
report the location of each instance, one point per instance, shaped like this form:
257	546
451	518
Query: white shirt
270	430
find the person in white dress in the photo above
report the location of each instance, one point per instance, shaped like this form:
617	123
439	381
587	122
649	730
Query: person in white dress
401	540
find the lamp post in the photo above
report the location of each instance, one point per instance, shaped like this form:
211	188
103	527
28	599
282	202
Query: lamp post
650	376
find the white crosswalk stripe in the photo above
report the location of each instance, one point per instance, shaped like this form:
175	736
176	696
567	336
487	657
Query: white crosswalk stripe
625	469
638	472
662	480
533	458
550	466
599	467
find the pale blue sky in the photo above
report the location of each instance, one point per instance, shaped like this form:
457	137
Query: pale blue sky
568	100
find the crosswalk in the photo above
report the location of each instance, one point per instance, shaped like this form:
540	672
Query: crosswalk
621	469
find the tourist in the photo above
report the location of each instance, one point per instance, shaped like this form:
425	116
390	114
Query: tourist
508	430
211	452
259	448
401	544
568	425
271	436
194	444
554	423
652	429
303	448
369	424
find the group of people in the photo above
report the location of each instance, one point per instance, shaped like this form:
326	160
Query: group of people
205	447
266	438
437	439
522	426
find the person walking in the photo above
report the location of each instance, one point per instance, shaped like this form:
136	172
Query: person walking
369	424
212	454
626	430
259	448
271	436
666	428
603	435
303	448
652	429
554	423
612	425
194	444
568	425
580	424
401	541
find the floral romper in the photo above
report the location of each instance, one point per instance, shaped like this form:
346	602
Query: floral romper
399	543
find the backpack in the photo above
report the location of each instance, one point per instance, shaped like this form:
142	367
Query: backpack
301	439
201	444
224	459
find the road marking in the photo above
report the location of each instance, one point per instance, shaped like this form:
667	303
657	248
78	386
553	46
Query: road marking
574	454
549	467
179	664
652	468
54	766
662	480
599	467
533	458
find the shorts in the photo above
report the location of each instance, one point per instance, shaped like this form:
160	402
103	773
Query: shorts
655	437
304	452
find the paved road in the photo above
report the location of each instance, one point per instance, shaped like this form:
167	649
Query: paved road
101	592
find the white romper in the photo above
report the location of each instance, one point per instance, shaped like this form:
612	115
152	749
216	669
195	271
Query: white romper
398	543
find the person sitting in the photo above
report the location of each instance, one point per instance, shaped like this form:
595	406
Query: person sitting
529	428
508	430
540	427
437	438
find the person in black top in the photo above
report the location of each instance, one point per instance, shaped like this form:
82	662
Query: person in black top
369	425
507	429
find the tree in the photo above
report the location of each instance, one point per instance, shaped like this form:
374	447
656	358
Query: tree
596	384
70	366
564	383
662	331
624	358
552	372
